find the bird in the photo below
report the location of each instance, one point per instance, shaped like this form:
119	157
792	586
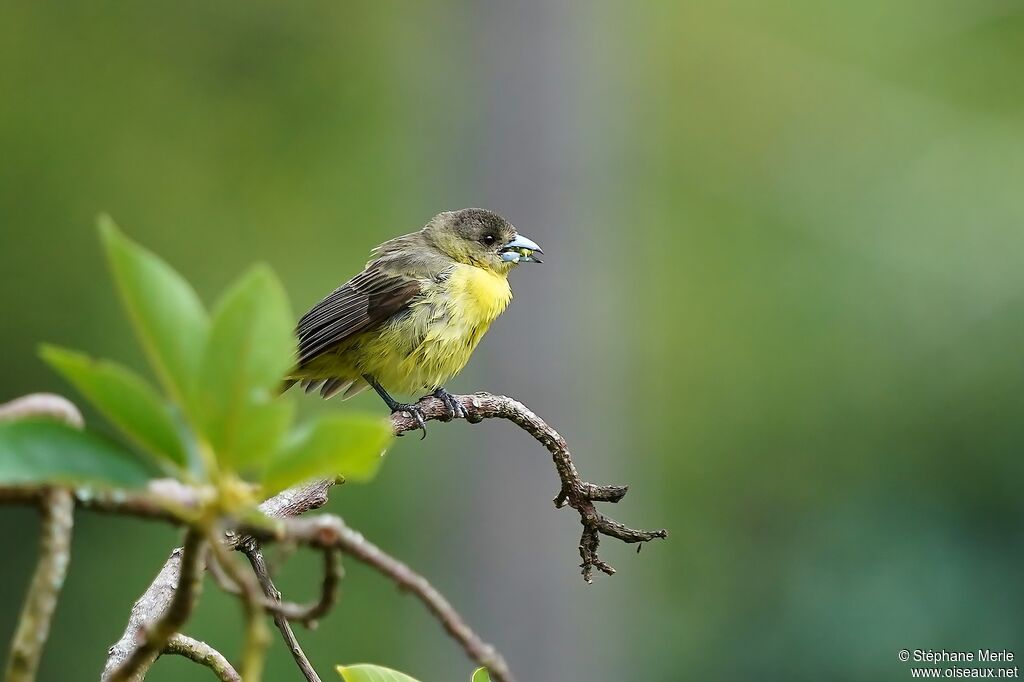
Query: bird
413	317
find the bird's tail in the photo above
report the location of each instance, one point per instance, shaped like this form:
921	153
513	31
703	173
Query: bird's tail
329	387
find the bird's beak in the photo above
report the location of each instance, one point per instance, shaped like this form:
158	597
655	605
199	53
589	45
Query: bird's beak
521	250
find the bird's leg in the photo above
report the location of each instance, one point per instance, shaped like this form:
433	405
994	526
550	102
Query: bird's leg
395	406
455	409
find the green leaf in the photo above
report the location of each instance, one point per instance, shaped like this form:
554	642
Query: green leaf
124	398
364	672
251	346
37	451
349	445
168	317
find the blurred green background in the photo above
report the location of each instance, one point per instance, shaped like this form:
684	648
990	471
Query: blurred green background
783	299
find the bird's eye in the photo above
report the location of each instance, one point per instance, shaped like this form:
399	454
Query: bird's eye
488	240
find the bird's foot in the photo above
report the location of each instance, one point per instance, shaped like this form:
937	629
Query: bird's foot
455	409
414	412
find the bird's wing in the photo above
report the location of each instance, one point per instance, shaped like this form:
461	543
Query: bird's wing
366	300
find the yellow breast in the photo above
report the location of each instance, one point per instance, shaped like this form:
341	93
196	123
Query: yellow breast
479	295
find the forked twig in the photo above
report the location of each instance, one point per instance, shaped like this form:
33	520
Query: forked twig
574	491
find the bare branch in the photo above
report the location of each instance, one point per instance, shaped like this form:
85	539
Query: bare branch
575	492
328	531
154	504
259	567
298	500
150	638
56	510
203	654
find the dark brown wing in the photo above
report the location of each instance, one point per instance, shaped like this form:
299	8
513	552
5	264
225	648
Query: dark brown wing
369	298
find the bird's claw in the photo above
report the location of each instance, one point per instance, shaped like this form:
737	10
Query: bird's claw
455	408
414	412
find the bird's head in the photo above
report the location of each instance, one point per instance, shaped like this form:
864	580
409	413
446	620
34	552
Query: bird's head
478	237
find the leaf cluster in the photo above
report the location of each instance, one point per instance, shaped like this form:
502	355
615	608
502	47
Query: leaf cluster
214	417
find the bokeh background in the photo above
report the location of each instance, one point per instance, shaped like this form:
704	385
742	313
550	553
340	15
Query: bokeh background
784	300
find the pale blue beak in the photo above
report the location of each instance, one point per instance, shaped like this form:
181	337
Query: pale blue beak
521	250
